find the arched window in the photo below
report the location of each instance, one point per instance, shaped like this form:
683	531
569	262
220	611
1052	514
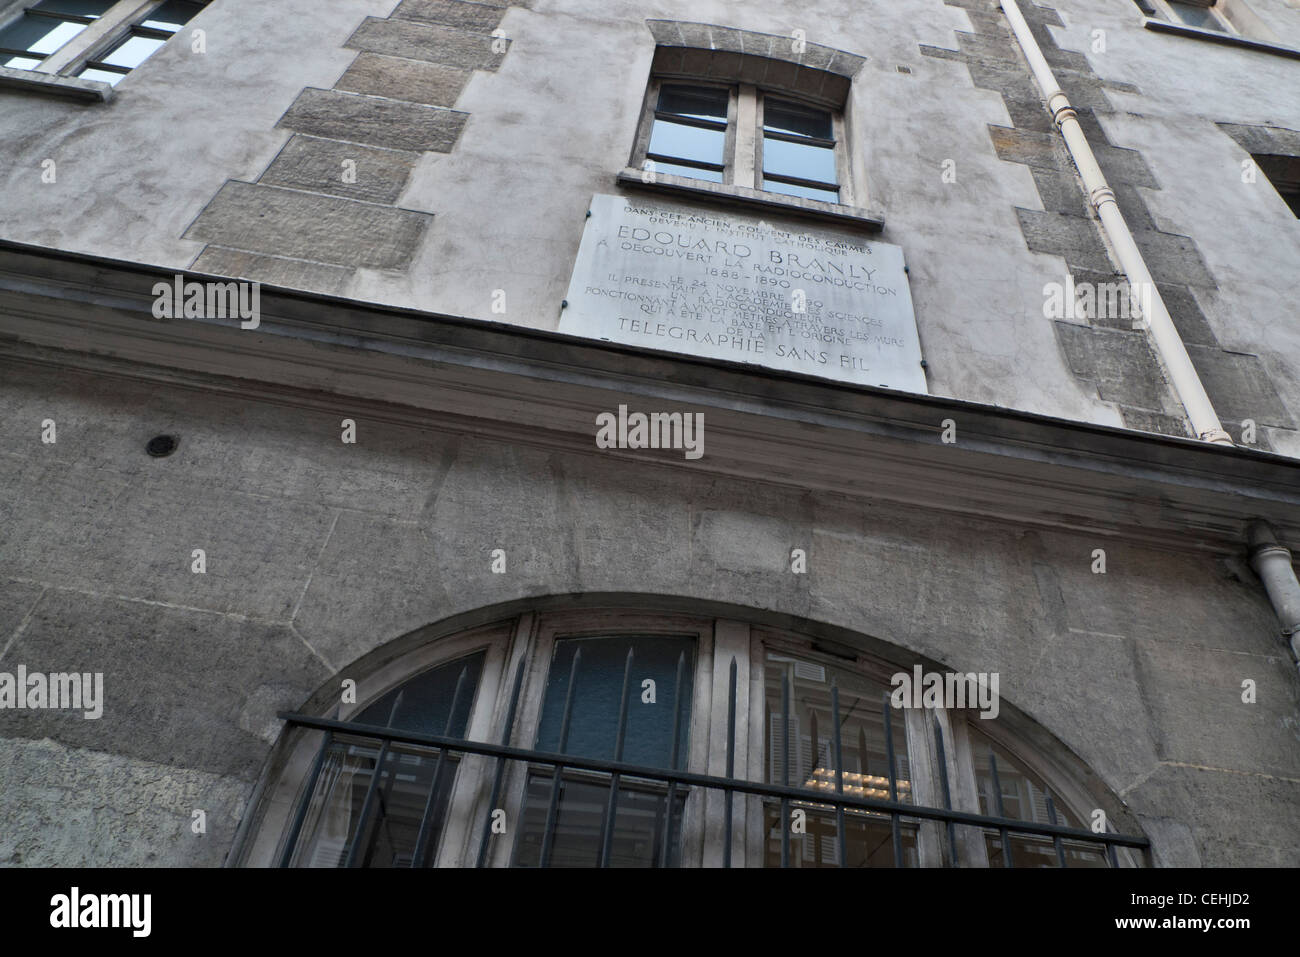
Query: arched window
634	739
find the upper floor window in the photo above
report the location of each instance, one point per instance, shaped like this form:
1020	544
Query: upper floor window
629	739
46	27
742	135
94	39
140	41
1206	14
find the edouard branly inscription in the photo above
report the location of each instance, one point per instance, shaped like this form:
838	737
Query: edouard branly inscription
803	299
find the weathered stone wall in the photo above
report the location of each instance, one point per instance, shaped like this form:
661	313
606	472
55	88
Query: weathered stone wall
477	157
319	553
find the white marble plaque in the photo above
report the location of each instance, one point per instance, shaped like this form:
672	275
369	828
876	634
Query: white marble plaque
808	299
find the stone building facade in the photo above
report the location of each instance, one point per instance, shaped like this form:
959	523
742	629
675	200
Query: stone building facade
391	463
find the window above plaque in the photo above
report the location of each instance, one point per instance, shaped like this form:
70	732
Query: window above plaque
764	131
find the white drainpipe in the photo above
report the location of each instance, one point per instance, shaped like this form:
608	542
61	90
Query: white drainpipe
1272	563
1186	383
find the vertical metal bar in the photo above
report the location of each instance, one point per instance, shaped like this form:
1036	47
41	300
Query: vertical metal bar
386	791
672	785
501	764
1110	856
947	796
728	794
424	836
893	785
548	834
300	815
785	768
1056	838
841	837
997	795
611	808
365	805
816	744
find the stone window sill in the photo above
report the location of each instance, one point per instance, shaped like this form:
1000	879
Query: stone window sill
755	200
69	87
1214	36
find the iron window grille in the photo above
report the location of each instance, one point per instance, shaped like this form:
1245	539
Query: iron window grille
831	797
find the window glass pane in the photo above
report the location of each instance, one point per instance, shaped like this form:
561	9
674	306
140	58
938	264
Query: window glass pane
333	829
810	729
1024	798
808	192
644	826
1195	16
39	34
172	15
593	728
90	73
77	8
132	51
710	175
638	829
686	142
701	102
783	158
423	703
392	825
19	62
783	117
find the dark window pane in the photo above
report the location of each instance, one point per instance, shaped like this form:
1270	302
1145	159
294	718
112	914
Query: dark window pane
701	102
870	840
641	825
686	142
710	175
808	192
1195	16
783	117
426	700
639	822
39	34
172	15
77	8
801	160
593	727
332	825
132	51
330	828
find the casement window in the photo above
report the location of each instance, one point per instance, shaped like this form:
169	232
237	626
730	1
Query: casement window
741	135
1203	14
141	40
623	738
45	28
93	39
